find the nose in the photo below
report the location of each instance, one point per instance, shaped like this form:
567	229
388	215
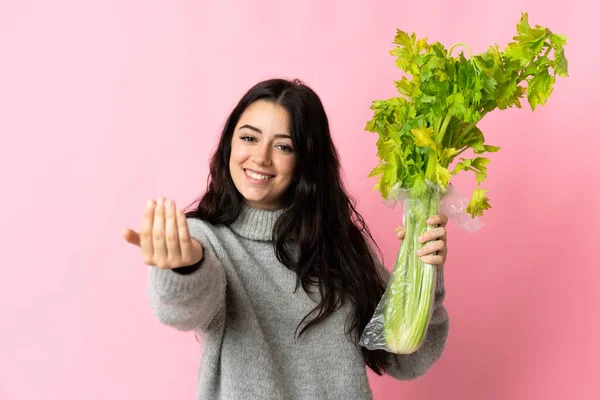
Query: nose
262	155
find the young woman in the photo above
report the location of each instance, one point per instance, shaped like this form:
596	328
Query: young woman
274	266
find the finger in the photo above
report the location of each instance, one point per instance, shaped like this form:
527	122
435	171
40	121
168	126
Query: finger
432	234
400	233
433	260
158	233
443	253
431	248
171	234
439	220
146	233
185	242
132	237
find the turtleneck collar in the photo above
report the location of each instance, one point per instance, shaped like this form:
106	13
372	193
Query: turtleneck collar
256	223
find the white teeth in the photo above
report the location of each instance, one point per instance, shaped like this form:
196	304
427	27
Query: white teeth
257	176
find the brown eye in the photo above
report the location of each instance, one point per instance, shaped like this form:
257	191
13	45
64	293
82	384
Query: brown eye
248	138
285	149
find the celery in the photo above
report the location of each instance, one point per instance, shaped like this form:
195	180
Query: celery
425	129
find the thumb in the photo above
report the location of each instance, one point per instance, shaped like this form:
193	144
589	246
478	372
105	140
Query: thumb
400	232
131	237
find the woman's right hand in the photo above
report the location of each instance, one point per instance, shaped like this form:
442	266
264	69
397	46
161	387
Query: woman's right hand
164	238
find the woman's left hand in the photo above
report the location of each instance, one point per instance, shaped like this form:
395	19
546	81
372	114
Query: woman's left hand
436	251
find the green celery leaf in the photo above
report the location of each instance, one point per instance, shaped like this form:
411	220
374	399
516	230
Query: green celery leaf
478	147
491	149
385	147
560	63
523	25
424	137
479	202
442	175
447	155
539	89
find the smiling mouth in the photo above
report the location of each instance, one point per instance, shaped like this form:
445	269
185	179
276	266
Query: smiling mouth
257	176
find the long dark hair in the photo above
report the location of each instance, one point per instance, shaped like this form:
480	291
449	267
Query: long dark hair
334	255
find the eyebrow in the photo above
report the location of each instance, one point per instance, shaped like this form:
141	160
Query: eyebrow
255	129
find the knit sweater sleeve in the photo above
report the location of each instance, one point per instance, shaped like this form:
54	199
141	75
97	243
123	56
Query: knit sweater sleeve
190	301
414	365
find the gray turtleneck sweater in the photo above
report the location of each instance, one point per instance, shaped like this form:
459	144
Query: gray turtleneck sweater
242	302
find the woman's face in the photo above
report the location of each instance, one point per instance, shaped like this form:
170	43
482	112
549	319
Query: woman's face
263	159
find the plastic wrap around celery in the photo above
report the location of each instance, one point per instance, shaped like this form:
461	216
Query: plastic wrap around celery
409	297
420	134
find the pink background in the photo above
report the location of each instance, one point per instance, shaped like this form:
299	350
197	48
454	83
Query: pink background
106	104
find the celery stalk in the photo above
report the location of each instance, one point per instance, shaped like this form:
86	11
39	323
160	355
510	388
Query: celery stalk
409	297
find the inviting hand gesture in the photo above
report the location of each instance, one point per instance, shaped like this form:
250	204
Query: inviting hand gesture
434	252
164	239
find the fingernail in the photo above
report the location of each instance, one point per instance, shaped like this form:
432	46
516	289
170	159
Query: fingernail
420	238
419	252
160	201
149	204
